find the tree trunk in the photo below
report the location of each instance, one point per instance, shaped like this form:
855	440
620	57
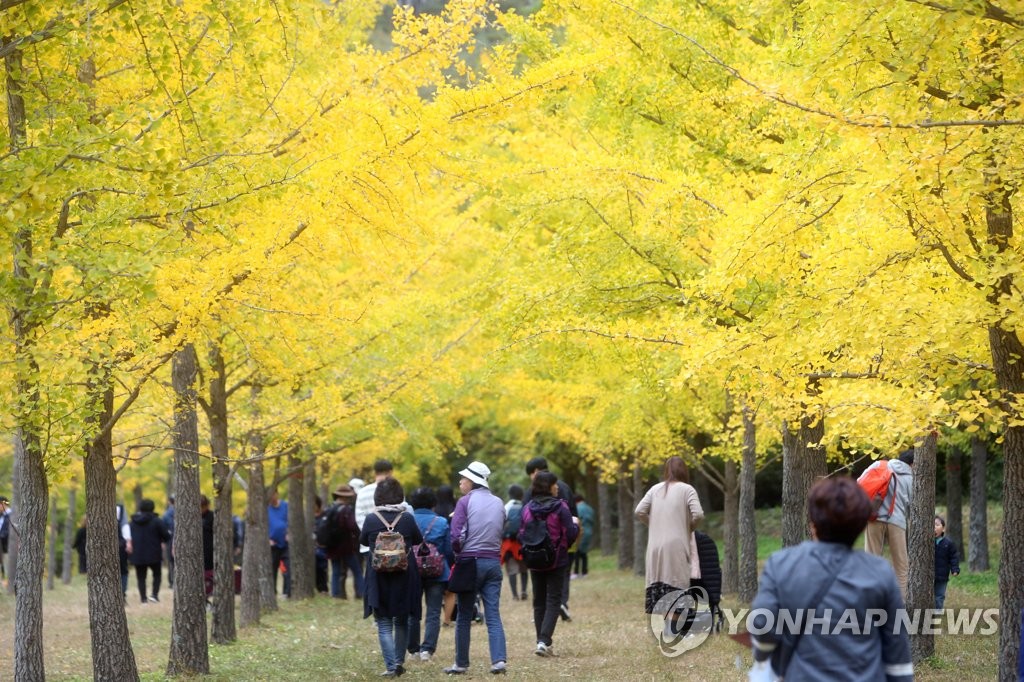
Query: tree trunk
189	653
309	493
112	655
51	567
921	544
803	463
26	542
954	500
300	547
626	506
69	536
747	520
1007	352
222	629
978	546
257	578
604	517
639	529
731	530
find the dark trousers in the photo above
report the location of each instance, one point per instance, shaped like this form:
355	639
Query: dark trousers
580	563
140	578
279	556
547	600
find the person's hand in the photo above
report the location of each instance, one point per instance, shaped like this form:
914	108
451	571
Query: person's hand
128	546
955	573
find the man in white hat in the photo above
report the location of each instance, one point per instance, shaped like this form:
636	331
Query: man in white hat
477	522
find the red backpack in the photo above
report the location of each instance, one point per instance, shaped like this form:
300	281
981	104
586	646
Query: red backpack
875	481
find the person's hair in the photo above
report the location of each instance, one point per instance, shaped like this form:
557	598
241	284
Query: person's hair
146	506
542	483
445	493
423	498
942	521
577	499
839	509
170	498
318	501
907	456
204	501
536	464
675	471
382	466
389	491
516	492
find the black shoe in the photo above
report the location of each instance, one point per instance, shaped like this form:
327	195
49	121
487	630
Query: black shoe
399	670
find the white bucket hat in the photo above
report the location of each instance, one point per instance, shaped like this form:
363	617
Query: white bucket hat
478	472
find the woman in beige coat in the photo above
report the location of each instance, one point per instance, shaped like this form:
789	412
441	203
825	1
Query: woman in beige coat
671	510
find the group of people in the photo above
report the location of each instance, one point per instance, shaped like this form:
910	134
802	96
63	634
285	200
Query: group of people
404	588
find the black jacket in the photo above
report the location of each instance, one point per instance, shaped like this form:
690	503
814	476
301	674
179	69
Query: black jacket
148	534
947	559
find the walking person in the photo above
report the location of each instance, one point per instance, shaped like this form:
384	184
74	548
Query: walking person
549	514
477	522
889	524
435	531
344	556
277	529
533	467
823	582
947	561
672	510
391	597
148	534
587	521
511	550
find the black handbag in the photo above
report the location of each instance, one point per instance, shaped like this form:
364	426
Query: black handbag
463	576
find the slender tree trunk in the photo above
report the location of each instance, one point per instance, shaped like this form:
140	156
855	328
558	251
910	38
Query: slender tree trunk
309	493
189	653
222	629
299	545
731	530
747	520
258	594
978	545
954	500
626	506
27	539
67	559
604	516
51	567
1007	351
803	463
112	655
921	544
639	529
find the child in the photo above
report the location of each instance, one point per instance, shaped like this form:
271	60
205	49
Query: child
947	561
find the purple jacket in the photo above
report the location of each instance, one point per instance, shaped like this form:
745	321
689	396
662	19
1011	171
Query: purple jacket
477	522
562	530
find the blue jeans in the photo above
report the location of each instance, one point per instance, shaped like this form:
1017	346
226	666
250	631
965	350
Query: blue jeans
433	593
338	566
940	593
488	585
392	633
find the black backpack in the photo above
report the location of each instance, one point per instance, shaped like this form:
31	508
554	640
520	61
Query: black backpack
329	533
538	548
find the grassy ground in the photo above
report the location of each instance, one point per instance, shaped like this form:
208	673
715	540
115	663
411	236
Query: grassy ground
321	639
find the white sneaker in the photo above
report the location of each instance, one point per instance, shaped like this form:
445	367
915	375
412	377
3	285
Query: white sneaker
425	656
544	649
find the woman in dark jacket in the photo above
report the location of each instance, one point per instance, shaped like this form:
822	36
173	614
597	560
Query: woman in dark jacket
148	535
392	597
547	581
